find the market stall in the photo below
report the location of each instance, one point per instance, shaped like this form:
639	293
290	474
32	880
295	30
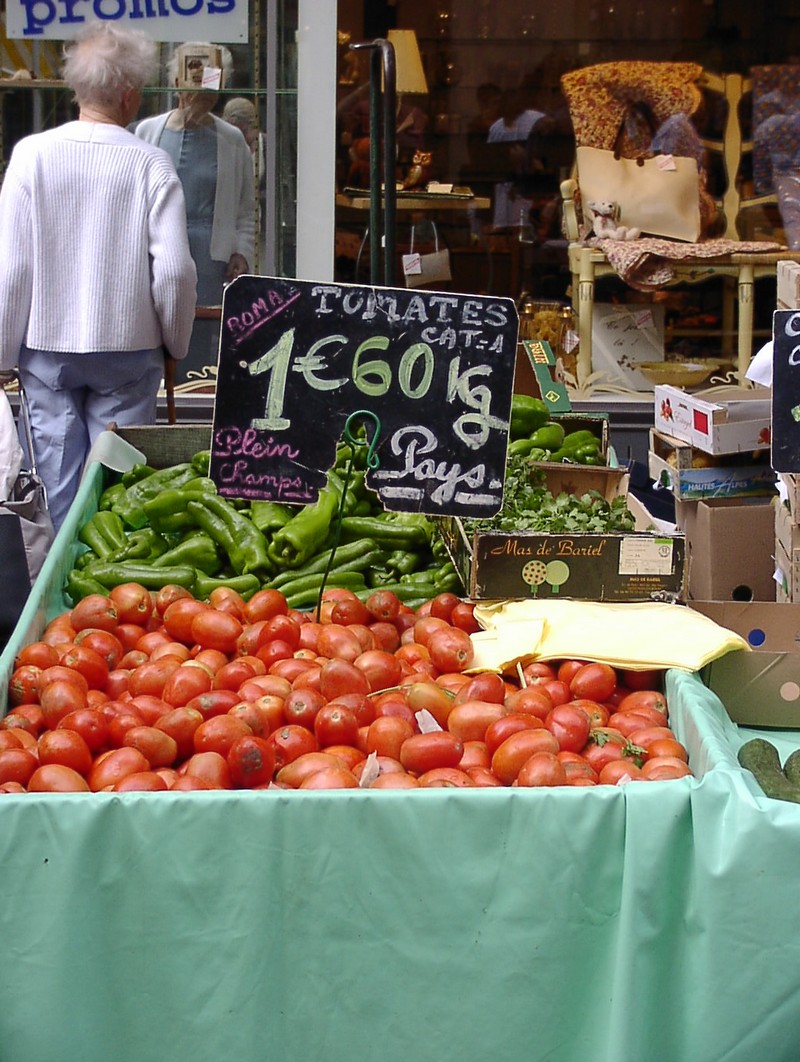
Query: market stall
626	922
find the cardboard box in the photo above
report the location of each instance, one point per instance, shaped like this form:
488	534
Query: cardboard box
787	555
729	549
788	285
690	474
640	565
788	484
760	688
622	338
717	421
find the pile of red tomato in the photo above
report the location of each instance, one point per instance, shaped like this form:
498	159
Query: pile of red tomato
143	691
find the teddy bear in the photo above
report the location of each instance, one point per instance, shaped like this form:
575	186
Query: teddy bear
605	216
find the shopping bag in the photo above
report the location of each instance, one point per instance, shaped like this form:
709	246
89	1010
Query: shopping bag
431	268
26	530
658	195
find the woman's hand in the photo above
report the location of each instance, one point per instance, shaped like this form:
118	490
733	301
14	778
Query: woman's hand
237	264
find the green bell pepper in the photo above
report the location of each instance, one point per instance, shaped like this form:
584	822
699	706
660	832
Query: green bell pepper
527	415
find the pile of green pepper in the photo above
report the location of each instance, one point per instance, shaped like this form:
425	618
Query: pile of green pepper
170	526
533	435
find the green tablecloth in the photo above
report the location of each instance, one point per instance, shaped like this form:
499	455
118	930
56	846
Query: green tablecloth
656	921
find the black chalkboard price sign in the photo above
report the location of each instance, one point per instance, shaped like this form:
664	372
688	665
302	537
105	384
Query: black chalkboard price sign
297	358
785	440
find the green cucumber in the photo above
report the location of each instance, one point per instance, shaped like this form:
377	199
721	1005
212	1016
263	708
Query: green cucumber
761	758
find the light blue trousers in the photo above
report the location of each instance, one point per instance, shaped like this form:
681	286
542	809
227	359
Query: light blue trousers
72	398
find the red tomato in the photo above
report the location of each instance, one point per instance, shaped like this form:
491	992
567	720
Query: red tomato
595	682
23	685
483	777
264	604
577	769
166	595
58	699
349	610
339	676
179	616
211	768
213	629
219	733
185	683
336	642
567	668
558	691
533	700
476	754
251	761
155	744
225	599
293	774
150	708
381	668
56	778
619	772
509	756
290	742
141	782
424	752
335	724
120	716
235	673
644	699
643	736
386	734
261	684
463	617
68	674
487	686
445	778
538	671
17	765
180	724
106	644
66	747
451	649
442	606
94	610
542	769
249	713
663	768
470	720
214	702
570	725
383	605
669	748
604	744
336	776
301	706
38	654
428	696
508	724
272	712
424	630
110	767
395	780
133	603
152	677
642	680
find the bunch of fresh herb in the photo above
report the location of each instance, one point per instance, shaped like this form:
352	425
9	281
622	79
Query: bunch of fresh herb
529	506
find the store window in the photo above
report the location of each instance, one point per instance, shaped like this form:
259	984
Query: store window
493	120
259	95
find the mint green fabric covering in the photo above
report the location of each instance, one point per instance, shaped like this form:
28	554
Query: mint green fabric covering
656	921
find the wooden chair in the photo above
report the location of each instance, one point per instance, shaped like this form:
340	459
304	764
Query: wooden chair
740	270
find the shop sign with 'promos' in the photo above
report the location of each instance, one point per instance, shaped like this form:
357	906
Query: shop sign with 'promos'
427	375
223	21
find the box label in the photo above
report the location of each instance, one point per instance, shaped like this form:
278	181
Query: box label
639	555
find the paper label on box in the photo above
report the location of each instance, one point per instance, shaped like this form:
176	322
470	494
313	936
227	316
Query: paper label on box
642	555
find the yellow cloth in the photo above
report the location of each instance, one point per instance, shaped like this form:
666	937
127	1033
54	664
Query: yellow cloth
635	636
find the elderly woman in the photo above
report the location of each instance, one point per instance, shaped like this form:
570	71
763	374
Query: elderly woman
96	278
215	167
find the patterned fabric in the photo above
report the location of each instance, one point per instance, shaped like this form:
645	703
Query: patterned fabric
644	264
776	124
599	97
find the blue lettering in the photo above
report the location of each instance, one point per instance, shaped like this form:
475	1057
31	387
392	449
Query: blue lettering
192	10
35	24
112	16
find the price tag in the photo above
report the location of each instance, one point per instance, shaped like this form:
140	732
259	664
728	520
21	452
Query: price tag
785	439
297	358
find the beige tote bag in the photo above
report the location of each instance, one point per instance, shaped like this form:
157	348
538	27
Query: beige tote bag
659	195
